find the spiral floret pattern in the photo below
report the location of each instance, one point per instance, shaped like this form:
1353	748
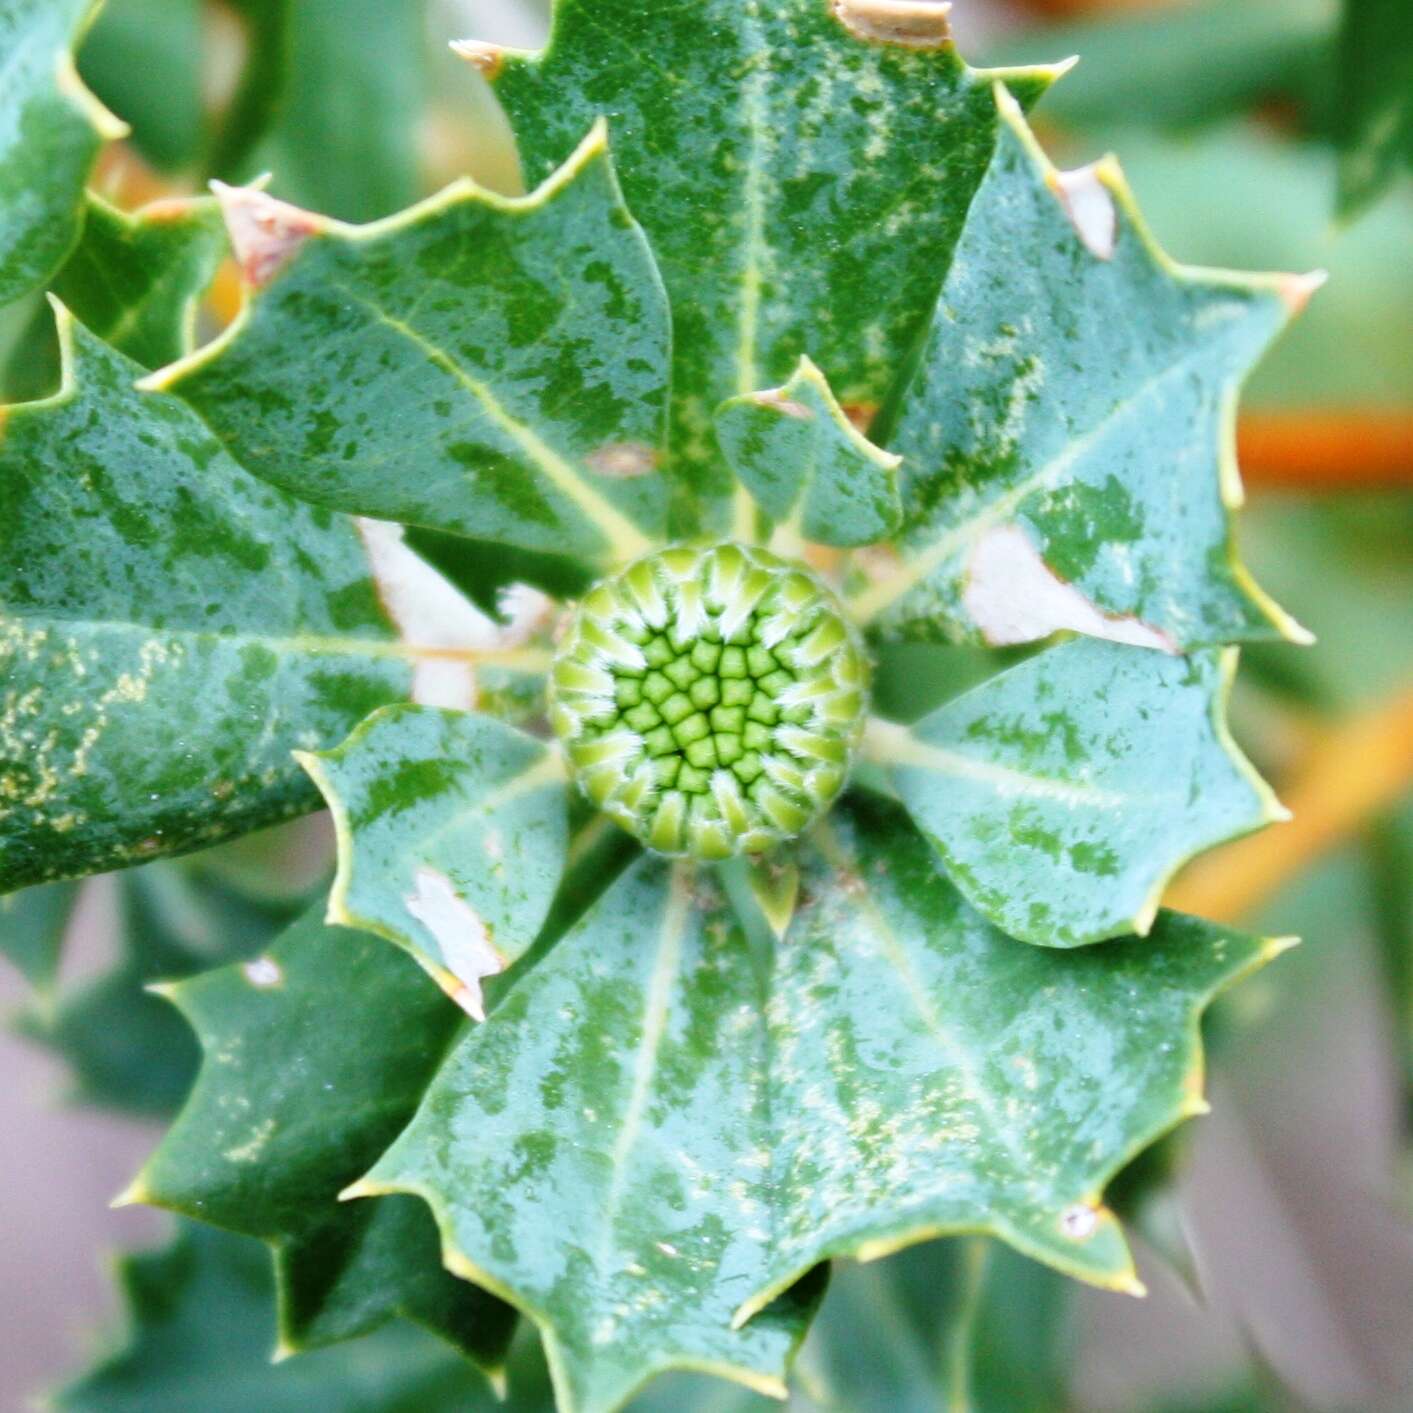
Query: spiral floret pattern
710	700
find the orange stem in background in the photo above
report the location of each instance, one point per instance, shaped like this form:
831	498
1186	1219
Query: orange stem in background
1355	771
1326	451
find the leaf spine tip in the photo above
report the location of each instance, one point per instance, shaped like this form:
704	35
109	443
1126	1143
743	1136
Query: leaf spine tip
487	59
1296	291
265	233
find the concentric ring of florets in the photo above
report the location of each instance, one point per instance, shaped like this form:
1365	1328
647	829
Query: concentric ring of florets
710	700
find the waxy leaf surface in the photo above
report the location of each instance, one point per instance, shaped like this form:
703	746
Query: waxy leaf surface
453	829
169	629
1063	794
1068	436
50	130
490	366
929	1074
811	472
200	1326
594	1152
317	1051
635	1153
801	174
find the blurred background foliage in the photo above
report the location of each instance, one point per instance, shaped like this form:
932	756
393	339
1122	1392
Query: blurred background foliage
1277	1235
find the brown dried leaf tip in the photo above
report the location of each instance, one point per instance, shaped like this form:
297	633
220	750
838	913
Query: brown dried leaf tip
487	59
265	233
912	24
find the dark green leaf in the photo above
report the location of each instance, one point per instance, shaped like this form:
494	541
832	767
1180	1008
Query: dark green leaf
490	366
51	127
1068	438
32	927
316	1054
123	1047
802	172
200	1322
1375	100
160	662
1064	794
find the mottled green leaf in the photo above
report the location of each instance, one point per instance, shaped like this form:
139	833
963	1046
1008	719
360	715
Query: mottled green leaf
1375	99
124	1048
802	170
51	127
32	927
134	280
595	1151
1068	436
452	832
200	1322
809	469
1063	794
169	629
491	366
929	1074
316	1053
143	58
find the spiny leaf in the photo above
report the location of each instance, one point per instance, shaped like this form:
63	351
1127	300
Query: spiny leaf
122	1046
134	280
617	1119
929	1074
1375	99
490	366
1068	437
32	926
807	467
336	1026
1063	794
51	127
159	665
199	1324
802	169
452	832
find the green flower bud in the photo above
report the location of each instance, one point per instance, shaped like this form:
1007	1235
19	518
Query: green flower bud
710	699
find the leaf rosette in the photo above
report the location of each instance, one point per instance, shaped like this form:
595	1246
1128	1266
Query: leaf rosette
804	352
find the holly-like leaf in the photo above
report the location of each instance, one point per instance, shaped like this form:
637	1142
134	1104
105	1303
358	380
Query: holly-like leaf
134	280
611	1189
1375	99
169	629
200	1320
336	1026
32	927
1063	794
929	1074
452	829
490	366
51	127
636	1154
124	1048
802	168
1069	434
808	468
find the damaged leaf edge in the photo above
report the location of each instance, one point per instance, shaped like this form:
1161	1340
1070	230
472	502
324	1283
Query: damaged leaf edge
1190	1102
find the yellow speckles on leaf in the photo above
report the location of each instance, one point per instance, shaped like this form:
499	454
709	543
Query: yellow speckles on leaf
251	1149
623	461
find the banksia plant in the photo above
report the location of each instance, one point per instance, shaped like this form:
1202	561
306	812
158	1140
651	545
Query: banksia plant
560	544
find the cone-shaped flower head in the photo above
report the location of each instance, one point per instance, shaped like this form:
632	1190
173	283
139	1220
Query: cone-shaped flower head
710	699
